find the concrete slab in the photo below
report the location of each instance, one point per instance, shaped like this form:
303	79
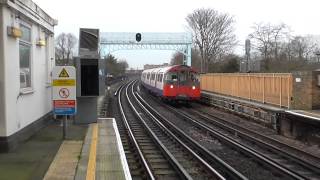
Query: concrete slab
109	154
32	158
308	114
65	162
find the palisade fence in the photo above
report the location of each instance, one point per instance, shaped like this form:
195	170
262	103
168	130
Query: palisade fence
269	88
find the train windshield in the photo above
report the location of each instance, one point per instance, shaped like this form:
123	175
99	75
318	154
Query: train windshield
172	77
183	76
194	77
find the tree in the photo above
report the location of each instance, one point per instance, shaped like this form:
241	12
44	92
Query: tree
213	34
177	58
303	47
71	43
114	66
266	38
122	66
65	47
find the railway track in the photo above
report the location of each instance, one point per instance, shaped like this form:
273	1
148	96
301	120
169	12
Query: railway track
146	160
302	162
286	167
154	143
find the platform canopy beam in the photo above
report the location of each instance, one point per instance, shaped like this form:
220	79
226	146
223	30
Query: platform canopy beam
115	41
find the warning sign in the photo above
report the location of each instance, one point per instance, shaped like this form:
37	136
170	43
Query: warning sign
64	93
64	73
64	90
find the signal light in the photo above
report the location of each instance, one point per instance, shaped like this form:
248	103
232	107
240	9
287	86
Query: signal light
138	37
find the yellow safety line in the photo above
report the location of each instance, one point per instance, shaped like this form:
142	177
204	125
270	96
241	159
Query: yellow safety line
91	170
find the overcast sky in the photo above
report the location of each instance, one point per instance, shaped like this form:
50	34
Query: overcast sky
303	17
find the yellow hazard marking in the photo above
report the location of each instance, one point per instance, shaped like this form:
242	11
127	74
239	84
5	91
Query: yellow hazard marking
64	82
91	170
64	73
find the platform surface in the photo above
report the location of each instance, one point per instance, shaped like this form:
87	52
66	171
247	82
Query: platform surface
309	114
102	154
65	162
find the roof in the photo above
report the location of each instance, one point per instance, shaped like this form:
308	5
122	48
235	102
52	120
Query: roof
164	69
32	11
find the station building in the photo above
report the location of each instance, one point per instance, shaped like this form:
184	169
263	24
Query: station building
26	61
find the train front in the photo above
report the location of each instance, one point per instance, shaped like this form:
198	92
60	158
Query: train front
182	84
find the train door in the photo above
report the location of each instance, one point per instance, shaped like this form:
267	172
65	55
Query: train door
183	82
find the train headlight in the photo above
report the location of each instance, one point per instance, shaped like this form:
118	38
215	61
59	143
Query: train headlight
193	87
171	86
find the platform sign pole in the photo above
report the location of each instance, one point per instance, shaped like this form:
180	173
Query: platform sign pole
64	93
64	131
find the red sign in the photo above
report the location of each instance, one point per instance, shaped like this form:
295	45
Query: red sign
64	103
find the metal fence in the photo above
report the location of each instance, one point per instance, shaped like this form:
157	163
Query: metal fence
270	88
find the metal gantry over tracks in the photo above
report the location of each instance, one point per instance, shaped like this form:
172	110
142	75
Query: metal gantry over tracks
114	41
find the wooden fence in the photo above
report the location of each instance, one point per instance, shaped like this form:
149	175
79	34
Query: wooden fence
267	88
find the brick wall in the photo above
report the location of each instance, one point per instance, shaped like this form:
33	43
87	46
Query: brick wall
315	90
302	91
306	92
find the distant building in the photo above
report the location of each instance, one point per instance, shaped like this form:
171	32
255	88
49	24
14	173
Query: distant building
151	66
26	61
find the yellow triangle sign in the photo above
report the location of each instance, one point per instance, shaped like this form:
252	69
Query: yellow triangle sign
64	73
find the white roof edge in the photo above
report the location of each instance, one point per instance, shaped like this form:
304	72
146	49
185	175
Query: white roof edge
303	115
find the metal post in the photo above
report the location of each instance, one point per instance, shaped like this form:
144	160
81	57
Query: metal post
189	54
64	131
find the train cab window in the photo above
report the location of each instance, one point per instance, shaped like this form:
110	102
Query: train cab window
183	76
194	77
172	77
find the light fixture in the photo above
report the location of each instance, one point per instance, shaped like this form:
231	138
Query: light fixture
14	32
41	42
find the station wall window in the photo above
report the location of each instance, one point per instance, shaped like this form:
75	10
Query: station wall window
25	46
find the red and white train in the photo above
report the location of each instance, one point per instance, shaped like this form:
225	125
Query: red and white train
179	82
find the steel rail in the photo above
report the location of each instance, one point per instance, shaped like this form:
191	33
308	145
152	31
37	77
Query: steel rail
142	158
172	159
213	158
294	158
241	147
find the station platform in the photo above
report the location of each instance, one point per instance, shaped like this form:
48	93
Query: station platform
102	155
302	125
312	115
262	113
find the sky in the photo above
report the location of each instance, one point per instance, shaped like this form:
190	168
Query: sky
303	18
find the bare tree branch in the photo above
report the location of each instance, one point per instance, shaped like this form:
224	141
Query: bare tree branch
213	34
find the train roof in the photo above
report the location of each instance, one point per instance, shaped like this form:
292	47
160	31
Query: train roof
165	69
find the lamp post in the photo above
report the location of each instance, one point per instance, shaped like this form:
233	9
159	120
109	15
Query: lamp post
247	49
318	55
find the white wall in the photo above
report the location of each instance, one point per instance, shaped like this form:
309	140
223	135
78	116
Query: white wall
2	102
23	109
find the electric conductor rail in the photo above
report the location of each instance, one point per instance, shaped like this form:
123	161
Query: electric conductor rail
212	161
191	165
309	160
293	173
311	167
156	159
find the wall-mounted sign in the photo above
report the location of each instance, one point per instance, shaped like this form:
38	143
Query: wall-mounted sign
64	90
298	79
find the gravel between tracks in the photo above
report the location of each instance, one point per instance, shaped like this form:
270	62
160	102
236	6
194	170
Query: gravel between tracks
244	164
